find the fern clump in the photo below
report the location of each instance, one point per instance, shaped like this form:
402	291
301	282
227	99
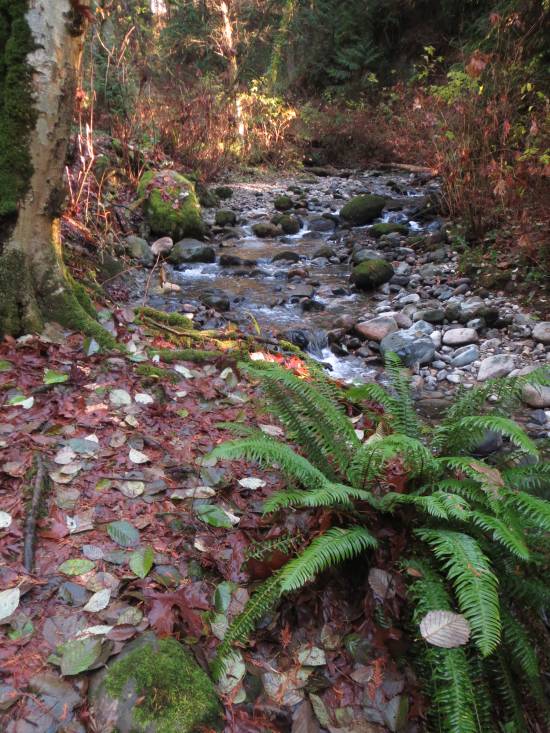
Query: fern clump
478	531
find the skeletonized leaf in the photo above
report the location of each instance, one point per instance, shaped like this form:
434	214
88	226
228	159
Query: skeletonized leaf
136	456
98	601
9	600
252	483
445	629
132	489
5	520
381	583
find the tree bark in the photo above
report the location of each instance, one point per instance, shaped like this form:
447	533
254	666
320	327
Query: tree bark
40	48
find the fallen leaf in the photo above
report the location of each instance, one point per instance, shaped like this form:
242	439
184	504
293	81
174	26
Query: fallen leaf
445	629
76	566
123	533
98	601
9	601
5	520
137	456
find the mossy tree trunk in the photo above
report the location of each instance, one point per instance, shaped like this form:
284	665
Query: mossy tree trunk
40	49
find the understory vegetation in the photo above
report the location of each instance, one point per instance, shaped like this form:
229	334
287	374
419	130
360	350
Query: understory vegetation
475	532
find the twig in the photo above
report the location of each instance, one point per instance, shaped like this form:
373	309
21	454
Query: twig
41	483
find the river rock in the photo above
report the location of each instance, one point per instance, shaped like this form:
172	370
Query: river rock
541	332
171	206
362	255
379	230
460	336
370	274
225	218
283	203
191	250
377	328
230	261
432	315
216	299
265	230
412	345
495	366
290	224
363	209
464	356
139	250
321	224
324	251
152	686
536	395
288	255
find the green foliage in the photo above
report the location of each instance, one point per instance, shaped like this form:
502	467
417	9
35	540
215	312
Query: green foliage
478	541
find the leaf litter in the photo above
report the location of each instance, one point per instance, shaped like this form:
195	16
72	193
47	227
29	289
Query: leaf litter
153	544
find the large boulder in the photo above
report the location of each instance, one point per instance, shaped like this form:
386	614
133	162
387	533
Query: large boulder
191	250
154	686
363	209
541	332
171	205
413	345
369	274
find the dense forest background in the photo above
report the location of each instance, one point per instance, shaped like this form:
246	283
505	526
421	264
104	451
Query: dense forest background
461	87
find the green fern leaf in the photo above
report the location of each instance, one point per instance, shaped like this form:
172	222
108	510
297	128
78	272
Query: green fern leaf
331	548
473	580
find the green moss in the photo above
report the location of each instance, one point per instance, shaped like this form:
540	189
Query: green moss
223	192
176	320
19	311
81	294
225	218
290	224
171	204
283	203
371	273
151	372
65	308
176	695
361	210
378	230
198	356
17	113
264	230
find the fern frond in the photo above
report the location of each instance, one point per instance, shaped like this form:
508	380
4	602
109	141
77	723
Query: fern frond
533	478
501	425
475	585
262	600
327	495
511	713
405	419
268	452
331	548
520	645
313	420
369	461
505	535
536	510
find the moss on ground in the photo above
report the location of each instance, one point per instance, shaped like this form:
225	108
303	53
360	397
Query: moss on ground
151	372
171	204
176	695
175	320
197	356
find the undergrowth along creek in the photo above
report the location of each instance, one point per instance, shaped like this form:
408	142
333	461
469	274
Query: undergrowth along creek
475	533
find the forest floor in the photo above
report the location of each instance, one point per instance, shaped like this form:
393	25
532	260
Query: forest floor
124	541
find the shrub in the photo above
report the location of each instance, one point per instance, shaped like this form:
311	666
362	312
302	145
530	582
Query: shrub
477	532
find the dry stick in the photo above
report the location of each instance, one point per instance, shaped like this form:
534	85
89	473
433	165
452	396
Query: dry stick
40	485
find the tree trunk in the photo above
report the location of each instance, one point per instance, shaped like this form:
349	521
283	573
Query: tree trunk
40	49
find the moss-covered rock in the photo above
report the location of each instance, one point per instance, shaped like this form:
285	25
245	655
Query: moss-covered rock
378	230
266	229
154	686
139	249
363	209
207	197
171	205
226	218
371	273
290	224
223	192
283	203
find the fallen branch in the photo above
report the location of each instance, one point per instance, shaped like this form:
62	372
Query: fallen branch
41	484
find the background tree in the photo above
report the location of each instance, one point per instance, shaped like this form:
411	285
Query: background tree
40	50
